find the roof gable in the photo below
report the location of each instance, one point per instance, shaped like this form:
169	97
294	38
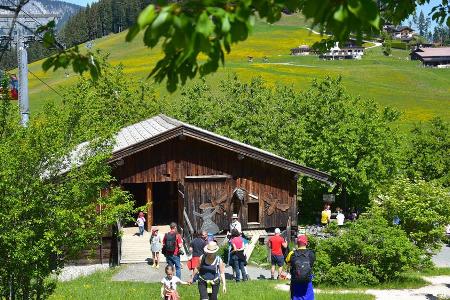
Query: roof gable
431	52
150	132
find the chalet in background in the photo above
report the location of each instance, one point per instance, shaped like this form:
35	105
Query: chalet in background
301	50
403	33
345	52
433	57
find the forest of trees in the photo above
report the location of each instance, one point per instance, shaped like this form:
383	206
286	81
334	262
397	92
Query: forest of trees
423	25
100	19
95	21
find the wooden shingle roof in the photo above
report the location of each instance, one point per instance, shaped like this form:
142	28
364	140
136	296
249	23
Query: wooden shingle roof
150	132
433	52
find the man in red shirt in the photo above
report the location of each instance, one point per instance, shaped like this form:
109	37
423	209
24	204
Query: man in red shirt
275	243
172	244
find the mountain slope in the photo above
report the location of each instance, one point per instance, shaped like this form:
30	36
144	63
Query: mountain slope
421	93
63	9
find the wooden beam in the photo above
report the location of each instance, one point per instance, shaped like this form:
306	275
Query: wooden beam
209	177
149	196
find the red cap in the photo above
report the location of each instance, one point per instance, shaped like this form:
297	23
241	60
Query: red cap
302	240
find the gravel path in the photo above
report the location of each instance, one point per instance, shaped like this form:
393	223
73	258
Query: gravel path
442	259
145	273
72	272
440	286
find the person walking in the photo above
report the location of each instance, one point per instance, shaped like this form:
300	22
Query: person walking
197	249
172	247
238	258
211	271
340	217
276	244
169	285
326	215
140	222
155	246
301	261
235	224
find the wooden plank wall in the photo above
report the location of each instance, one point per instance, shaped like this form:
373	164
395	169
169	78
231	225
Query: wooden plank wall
202	191
175	159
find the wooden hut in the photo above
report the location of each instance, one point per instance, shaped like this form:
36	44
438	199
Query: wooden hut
432	57
301	50
183	171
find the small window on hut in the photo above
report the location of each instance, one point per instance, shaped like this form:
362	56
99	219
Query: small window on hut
253	212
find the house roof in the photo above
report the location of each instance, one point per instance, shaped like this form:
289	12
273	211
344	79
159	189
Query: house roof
150	132
431	52
401	28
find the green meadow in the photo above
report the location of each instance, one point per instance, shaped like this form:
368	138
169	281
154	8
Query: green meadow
420	93
100	286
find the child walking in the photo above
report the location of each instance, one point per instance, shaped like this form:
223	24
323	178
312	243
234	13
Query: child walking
140	222
155	246
169	285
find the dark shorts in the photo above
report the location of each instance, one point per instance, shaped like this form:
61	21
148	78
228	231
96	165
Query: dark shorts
203	291
277	260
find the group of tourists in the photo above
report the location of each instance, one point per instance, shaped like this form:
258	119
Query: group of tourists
325	218
206	266
208	269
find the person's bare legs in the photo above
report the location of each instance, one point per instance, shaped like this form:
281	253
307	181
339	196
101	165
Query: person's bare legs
272	272
153	259
157	259
280	271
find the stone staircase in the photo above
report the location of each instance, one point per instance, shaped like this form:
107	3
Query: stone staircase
136	249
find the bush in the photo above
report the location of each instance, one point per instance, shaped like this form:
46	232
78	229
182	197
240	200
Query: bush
349	275
223	252
423	208
370	246
399	45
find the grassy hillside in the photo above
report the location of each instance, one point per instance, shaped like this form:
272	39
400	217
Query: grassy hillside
420	92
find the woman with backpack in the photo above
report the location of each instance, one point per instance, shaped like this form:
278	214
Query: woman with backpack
237	257
210	272
301	261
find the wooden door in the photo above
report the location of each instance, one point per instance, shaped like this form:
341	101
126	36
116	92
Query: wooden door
214	195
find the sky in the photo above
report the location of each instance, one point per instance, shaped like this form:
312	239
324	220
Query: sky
81	2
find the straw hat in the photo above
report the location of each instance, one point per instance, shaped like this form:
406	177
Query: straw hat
211	247
235	216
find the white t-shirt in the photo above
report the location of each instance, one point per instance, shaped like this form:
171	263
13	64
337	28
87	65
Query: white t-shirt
340	218
236	225
140	221
170	284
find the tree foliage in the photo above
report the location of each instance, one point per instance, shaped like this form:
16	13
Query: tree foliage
49	184
323	127
371	251
423	208
441	35
428	152
422	23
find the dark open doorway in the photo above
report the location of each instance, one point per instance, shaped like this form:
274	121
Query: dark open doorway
138	190
166	204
